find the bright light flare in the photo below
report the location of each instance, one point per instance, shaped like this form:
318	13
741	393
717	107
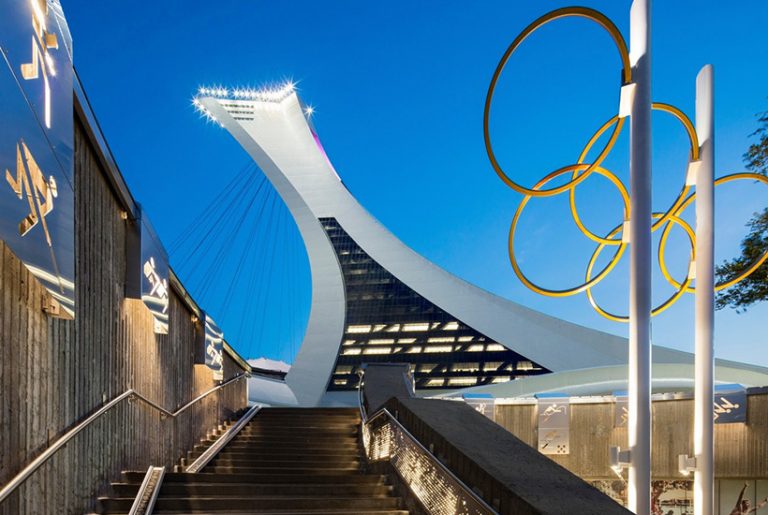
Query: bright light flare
265	94
200	108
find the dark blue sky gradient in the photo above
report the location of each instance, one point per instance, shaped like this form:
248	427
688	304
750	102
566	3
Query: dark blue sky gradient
399	89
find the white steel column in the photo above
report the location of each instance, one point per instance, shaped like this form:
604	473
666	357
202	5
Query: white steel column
639	492
703	426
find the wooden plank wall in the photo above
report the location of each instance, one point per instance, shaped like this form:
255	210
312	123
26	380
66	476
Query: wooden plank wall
741	450
53	373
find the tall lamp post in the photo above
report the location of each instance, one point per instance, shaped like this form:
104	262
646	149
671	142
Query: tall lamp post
704	425
640	258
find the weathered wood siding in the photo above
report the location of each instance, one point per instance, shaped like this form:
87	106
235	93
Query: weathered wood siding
741	450
53	372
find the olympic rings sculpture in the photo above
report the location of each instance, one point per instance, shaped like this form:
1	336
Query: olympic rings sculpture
581	170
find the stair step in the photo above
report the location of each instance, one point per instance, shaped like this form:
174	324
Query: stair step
206	477
340	489
288	461
320	439
290	451
306	416
254	503
290	444
299	443
350	429
304	422
308	471
244	447
289	436
296	438
267	451
271	412
287	432
320	511
319	432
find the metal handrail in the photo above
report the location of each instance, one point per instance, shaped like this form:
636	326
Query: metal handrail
35	464
360	383
222	441
143	505
366	421
360	402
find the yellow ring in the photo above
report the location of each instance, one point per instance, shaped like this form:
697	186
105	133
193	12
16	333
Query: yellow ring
589	283
613	31
667	303
662	243
694	155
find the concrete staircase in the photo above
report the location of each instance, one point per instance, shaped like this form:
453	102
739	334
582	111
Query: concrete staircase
286	460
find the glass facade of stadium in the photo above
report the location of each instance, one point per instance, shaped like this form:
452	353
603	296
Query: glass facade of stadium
388	322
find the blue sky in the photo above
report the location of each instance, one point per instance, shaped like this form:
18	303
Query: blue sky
398	89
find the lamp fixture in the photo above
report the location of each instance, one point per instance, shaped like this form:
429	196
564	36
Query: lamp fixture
686	464
618	459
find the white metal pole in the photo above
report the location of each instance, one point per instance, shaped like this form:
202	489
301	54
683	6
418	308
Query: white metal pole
639	492
704	425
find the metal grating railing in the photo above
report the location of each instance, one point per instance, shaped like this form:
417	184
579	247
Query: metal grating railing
438	490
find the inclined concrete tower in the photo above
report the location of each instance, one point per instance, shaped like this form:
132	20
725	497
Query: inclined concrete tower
374	299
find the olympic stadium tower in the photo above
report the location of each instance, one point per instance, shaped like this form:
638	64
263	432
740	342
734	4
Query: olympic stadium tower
375	300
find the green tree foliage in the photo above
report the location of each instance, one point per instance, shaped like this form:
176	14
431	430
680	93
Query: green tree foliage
755	287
